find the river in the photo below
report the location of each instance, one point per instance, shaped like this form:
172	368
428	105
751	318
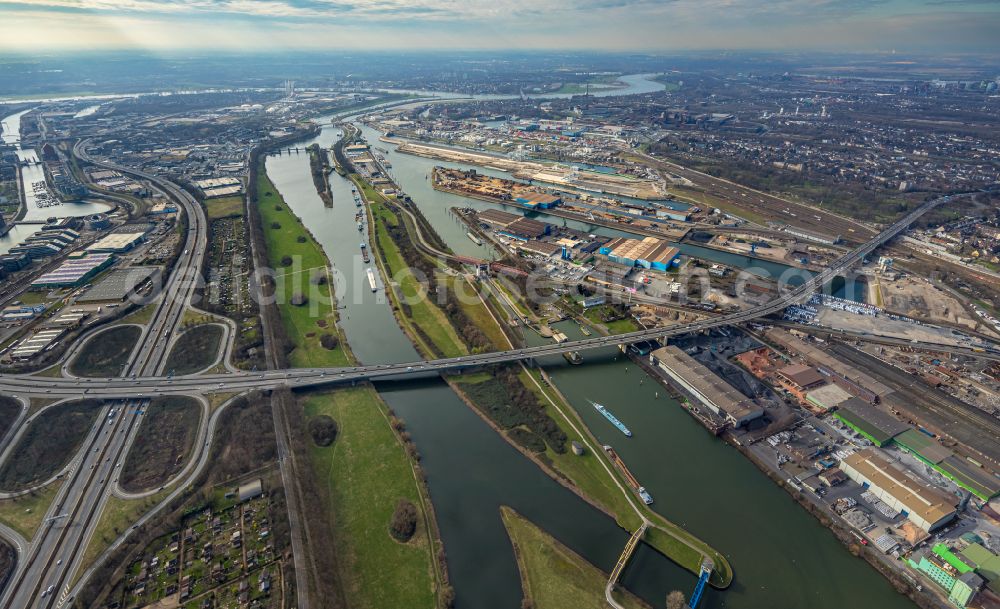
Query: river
634	84
471	471
32	173
782	557
412	173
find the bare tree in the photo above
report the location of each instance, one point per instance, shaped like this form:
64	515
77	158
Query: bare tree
675	600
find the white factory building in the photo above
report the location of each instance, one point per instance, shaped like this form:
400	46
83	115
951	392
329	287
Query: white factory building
923	504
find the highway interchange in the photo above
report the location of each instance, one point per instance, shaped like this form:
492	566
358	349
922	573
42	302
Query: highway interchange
48	563
45	568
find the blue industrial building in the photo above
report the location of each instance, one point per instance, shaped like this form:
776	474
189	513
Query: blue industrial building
649	253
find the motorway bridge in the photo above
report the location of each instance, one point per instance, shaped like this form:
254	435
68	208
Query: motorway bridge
148	386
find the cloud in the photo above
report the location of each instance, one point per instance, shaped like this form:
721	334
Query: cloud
456	9
647	25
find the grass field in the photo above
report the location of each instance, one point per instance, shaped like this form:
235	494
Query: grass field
105	354
224	207
48	444
34	297
118	515
423	313
285	236
364	473
25	513
163	443
196	349
552	575
140	316
51	372
619	326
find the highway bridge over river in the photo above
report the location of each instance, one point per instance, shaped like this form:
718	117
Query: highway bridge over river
148	386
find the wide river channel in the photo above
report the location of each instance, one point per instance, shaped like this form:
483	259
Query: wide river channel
782	557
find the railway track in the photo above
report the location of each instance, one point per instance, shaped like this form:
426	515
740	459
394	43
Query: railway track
963	422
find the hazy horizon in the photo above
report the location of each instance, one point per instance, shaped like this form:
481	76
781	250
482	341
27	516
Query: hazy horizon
952	26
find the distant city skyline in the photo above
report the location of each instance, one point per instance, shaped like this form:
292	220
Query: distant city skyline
651	25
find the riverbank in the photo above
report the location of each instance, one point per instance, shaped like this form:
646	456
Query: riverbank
363	473
423	321
302	283
369	465
552	575
319	165
510	406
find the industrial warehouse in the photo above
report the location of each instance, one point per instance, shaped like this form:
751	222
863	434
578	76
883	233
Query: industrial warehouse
74	271
926	506
649	253
705	386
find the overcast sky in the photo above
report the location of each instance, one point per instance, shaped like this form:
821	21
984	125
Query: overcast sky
852	25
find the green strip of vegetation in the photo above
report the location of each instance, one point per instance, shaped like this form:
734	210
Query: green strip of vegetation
613	317
24	513
51	372
365	472
505	399
196	349
118	515
140	316
431	325
224	207
586	471
48	443
476	311
303	292
105	354
552	575
590	472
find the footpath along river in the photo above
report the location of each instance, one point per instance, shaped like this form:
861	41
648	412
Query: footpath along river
782	557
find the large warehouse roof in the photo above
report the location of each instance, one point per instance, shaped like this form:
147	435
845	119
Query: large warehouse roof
920	498
878	425
649	249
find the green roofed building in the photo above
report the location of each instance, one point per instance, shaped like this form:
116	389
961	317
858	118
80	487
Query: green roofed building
877	425
953	559
986	563
966	587
939	571
958	470
957	573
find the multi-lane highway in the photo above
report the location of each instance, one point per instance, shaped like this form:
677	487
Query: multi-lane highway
146	386
46	567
